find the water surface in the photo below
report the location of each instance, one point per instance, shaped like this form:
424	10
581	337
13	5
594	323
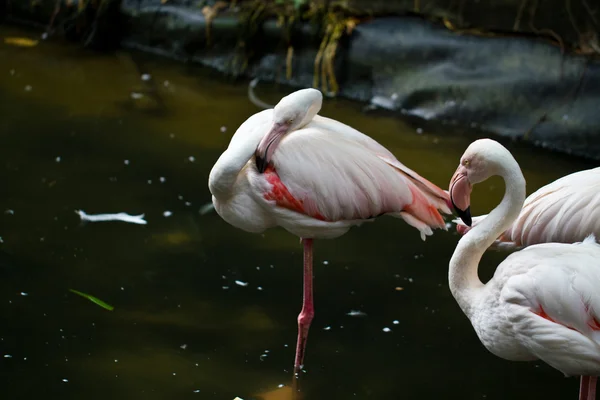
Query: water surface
83	131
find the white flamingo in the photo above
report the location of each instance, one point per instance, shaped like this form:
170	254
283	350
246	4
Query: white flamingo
564	211
315	177
543	302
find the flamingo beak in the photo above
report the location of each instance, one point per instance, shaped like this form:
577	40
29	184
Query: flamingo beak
268	144
460	194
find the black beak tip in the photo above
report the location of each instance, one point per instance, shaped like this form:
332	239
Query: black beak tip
261	165
465	215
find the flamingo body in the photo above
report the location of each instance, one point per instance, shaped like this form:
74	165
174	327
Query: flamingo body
315	177
564	211
543	301
325	178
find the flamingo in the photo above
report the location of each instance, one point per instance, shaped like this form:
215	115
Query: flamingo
315	177
565	211
543	301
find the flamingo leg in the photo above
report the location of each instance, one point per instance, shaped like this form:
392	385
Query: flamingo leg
584	383
592	387
308	310
587	388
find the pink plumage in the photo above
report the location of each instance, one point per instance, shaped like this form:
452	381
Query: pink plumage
316	177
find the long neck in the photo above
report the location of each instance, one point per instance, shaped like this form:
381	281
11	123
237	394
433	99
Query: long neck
225	172
463	279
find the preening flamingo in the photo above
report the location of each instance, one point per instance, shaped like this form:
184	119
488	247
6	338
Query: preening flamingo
543	301
564	211
315	177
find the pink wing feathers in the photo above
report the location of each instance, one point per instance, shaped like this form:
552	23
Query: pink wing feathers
336	177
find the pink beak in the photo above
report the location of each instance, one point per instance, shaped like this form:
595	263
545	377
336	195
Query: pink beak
268	144
460	194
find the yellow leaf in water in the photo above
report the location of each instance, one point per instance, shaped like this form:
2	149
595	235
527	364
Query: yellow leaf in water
22	42
163	1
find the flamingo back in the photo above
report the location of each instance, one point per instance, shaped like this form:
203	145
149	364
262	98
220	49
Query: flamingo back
550	297
338	178
565	211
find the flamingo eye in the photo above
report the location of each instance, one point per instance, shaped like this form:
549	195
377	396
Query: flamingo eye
466	162
289	121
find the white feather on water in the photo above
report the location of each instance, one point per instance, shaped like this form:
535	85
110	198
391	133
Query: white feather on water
124	217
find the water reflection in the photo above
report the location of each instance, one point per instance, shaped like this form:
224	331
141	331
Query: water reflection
72	137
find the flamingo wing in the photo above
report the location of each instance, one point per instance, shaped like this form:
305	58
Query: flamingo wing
337	178
566	210
433	192
554	305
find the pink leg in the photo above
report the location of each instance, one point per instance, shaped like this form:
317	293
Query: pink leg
592	388
587	388
584	383
308	310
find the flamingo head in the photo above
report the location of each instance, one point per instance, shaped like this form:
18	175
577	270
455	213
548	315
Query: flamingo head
294	111
482	159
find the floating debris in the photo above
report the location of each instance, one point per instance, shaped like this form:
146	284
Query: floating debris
7	356
325	262
9	211
399	288
240	283
327	328
386	329
24	294
192	158
356	313
124	217
93	299
21	42
136	95
162	179
395	322
57	159
419	131
126	162
223	129
146	77
28	88
167	214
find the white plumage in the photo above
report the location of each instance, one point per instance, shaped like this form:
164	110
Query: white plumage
543	302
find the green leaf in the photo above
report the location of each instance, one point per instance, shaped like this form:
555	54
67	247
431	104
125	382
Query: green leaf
93	299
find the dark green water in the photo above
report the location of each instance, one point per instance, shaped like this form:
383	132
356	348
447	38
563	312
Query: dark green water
182	328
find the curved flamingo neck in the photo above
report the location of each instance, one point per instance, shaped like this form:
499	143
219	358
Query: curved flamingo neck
226	170
463	279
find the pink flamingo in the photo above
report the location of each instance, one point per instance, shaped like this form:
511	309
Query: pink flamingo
316	178
564	211
542	302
